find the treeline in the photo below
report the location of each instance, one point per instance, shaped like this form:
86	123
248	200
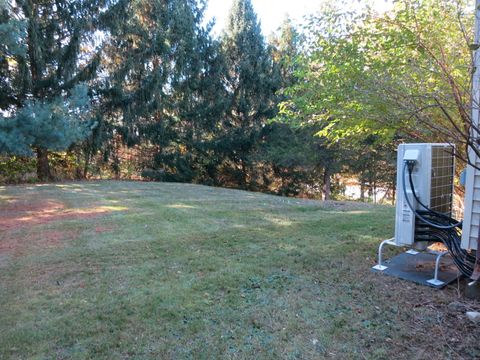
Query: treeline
142	89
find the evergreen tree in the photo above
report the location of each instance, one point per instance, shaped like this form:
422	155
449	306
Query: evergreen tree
165	82
44	100
286	48
251	83
12	48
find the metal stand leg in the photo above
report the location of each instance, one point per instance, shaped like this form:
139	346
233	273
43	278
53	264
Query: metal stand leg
435	281
379	266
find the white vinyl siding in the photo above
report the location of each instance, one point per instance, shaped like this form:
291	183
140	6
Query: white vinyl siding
471	219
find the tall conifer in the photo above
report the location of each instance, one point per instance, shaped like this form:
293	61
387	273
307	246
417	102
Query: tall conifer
251	84
44	98
165	86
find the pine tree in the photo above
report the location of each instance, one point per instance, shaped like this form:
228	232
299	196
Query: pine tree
251	84
286	51
165	83
12	47
44	101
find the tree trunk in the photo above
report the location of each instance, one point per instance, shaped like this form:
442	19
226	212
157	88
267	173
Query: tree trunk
87	155
243	179
326	185
43	167
362	190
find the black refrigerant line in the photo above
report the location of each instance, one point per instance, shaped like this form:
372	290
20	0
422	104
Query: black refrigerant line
434	213
442	215
439	226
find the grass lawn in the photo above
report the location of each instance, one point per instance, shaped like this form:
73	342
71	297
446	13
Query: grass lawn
173	271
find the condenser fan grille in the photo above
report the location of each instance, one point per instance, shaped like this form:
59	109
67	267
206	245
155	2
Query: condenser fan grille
442	179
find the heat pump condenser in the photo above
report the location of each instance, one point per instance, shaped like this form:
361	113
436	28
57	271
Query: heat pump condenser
432	175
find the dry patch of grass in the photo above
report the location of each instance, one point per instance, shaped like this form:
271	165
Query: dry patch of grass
21	216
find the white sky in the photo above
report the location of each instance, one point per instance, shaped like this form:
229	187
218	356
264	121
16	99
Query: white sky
271	13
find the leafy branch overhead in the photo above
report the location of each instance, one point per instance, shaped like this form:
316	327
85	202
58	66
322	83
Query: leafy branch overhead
404	74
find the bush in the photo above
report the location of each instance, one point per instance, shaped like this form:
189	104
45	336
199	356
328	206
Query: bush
153	175
17	169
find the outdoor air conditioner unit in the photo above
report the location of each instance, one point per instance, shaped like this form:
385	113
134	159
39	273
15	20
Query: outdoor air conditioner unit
425	175
432	175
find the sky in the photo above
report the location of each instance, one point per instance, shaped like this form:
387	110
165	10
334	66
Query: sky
271	13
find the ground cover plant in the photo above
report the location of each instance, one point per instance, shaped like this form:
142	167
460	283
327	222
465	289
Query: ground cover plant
176	271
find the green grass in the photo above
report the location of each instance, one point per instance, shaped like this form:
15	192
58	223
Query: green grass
175	271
